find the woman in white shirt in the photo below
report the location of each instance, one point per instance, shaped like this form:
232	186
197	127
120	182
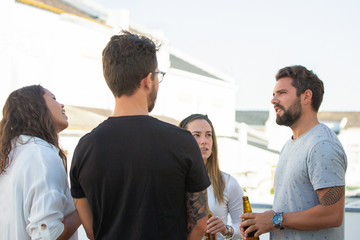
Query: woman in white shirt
35	201
225	193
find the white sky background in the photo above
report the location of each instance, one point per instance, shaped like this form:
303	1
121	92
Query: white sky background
252	39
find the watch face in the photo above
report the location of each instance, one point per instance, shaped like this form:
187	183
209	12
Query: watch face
277	219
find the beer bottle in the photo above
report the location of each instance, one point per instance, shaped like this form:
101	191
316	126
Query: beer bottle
210	236
247	209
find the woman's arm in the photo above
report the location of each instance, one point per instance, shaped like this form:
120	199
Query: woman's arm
235	206
48	204
71	223
233	194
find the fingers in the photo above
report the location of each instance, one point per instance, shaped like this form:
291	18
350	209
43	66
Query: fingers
247	228
247	215
247	223
250	231
215	225
258	222
242	232
213	218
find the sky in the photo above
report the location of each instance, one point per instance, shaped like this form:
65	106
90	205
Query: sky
251	40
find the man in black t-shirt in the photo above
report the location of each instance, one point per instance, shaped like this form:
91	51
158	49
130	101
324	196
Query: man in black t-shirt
133	176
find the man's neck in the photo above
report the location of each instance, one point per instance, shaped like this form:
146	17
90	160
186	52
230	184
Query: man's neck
304	124
130	105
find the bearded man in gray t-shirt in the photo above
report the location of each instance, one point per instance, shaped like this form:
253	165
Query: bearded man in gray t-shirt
309	186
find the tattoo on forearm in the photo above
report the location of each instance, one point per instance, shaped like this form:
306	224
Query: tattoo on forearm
196	208
332	196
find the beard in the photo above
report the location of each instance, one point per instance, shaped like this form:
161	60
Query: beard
290	115
152	98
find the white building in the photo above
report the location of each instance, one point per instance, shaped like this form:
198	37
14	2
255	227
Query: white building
58	44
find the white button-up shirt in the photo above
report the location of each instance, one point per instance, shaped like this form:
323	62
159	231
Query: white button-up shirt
34	192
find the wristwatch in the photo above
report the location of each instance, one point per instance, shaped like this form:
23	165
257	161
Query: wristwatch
277	220
230	232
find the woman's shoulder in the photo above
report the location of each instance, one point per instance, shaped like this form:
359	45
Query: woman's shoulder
233	191
34	142
37	150
229	180
227	177
34	158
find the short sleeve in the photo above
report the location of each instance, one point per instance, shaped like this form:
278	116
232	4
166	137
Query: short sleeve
76	189
327	165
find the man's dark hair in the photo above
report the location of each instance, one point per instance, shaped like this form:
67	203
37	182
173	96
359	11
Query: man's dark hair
302	80
127	59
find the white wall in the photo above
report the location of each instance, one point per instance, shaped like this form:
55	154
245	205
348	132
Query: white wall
182	94
63	53
60	52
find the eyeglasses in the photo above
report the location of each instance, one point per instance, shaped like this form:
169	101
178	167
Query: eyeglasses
161	75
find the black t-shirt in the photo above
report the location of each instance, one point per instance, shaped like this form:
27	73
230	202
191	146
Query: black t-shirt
135	171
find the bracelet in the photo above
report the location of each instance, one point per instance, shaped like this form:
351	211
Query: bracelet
230	232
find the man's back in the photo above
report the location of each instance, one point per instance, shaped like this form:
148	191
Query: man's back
134	171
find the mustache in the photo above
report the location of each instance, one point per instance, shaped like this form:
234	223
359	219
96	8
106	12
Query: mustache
279	106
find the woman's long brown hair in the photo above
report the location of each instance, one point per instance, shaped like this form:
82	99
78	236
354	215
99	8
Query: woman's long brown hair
212	164
25	113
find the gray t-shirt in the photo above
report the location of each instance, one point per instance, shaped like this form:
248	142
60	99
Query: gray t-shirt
313	161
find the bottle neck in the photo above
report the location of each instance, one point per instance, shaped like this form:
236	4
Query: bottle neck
246	206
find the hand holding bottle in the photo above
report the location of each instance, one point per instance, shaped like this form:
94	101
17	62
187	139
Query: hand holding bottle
209	235
247	209
216	225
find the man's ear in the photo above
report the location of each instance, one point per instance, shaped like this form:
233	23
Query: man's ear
307	96
147	81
